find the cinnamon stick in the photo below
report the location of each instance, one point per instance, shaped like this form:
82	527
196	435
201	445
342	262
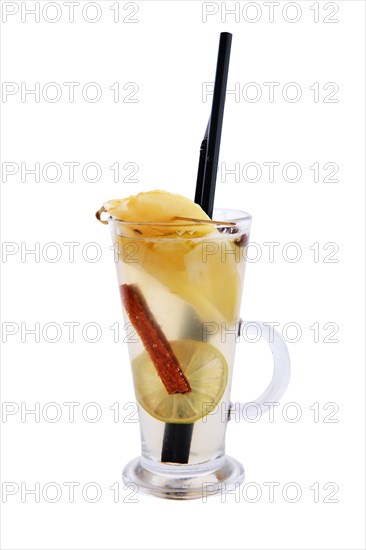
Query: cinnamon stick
154	340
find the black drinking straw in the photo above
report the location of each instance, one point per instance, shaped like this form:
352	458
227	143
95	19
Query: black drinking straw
201	167
208	184
177	437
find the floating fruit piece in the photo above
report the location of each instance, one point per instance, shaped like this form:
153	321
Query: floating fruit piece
159	206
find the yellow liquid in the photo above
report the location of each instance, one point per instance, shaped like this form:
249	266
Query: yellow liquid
193	288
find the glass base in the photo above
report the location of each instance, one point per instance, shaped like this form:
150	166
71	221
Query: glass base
184	482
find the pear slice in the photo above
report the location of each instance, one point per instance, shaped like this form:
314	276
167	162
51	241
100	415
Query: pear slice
173	253
159	206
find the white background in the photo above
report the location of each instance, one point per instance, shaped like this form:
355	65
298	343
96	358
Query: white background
169	52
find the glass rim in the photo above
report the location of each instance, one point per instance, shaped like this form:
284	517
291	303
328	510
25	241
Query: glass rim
239	217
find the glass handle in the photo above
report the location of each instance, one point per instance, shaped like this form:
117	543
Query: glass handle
281	369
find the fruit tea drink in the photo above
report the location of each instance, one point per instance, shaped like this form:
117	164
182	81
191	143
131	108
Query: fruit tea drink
181	278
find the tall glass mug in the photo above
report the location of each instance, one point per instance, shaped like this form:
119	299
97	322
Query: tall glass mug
181	286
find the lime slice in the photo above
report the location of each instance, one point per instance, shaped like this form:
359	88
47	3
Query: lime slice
206	370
